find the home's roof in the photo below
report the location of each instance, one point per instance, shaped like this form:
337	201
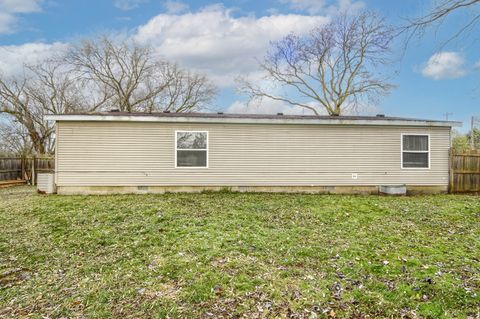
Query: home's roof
248	118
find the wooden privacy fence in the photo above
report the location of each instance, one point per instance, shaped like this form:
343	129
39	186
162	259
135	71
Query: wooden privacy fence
18	168
465	171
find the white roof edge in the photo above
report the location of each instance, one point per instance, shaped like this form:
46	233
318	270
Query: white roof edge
180	119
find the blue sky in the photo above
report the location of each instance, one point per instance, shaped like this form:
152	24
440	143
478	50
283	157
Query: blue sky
223	39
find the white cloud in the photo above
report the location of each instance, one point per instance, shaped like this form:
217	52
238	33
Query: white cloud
9	10
350	6
175	7
324	6
7	22
126	5
14	57
445	65
210	41
214	42
20	6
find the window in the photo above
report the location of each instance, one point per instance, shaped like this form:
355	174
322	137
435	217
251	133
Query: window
415	151
191	149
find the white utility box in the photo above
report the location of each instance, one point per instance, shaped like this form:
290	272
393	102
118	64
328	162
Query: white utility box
393	189
46	183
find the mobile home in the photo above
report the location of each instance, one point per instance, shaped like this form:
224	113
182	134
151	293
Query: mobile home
117	152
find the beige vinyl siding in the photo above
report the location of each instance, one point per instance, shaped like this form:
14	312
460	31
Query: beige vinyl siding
143	154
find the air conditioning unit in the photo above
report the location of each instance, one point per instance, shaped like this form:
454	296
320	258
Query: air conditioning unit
46	183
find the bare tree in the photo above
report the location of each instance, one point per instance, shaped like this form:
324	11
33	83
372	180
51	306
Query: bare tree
95	76
137	79
333	67
59	89
16	102
43	89
442	10
186	91
14	138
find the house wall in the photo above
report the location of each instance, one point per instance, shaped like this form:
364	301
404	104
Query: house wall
132	155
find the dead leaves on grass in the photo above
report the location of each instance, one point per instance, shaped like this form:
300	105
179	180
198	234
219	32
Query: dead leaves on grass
13	277
310	256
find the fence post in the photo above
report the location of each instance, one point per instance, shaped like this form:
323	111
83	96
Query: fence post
22	170
34	171
451	188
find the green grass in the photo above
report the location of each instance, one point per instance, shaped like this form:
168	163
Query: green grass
231	255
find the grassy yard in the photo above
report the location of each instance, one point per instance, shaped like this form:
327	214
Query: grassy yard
218	255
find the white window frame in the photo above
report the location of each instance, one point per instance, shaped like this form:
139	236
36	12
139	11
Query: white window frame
183	149
402	151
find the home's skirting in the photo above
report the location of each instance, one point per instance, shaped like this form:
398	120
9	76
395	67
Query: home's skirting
105	190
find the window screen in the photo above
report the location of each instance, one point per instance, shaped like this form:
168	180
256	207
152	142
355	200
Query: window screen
415	151
192	149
